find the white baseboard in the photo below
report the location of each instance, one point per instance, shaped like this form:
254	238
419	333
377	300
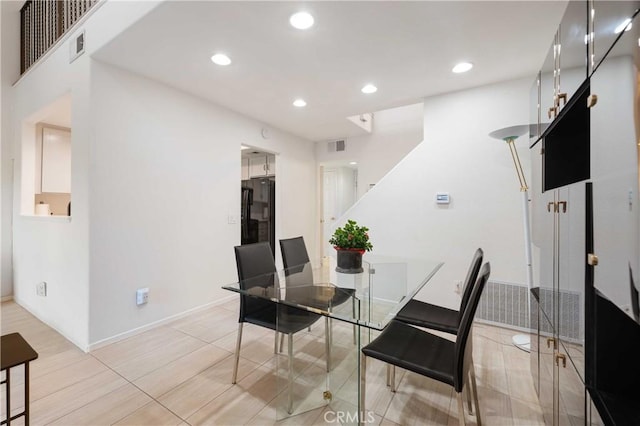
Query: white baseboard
6	298
121	336
60	332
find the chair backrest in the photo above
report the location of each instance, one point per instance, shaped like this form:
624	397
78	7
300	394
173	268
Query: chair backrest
461	355
635	297
295	260
469	281
256	268
294	252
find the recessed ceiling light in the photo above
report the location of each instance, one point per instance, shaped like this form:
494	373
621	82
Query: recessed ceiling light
299	103
301	20
624	26
369	88
221	59
353	163
462	67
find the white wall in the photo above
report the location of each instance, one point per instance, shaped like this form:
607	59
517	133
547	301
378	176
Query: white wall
155	175
165	176
395	132
9	71
46	249
456	156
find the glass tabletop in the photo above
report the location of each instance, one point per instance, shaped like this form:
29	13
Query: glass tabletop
370	298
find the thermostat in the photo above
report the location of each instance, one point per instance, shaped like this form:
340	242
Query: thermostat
442	197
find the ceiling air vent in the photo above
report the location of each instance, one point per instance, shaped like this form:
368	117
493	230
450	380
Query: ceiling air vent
336	146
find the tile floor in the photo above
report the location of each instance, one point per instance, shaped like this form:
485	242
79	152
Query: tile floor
180	374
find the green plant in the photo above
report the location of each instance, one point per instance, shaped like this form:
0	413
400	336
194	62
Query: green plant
351	236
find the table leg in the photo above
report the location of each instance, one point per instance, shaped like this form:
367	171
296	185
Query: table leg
363	388
26	394
7	382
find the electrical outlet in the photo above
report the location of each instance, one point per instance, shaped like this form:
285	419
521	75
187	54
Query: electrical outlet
142	296
41	289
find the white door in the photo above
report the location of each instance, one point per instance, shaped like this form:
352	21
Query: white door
330	207
339	194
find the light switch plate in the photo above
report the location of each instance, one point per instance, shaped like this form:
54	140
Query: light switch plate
442	198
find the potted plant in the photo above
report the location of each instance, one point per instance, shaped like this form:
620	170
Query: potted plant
350	242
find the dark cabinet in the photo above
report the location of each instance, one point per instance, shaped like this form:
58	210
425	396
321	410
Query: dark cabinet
585	212
613	250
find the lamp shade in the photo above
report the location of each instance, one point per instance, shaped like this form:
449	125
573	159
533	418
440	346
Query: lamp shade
513	132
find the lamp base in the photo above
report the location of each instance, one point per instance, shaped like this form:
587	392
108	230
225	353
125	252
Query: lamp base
522	341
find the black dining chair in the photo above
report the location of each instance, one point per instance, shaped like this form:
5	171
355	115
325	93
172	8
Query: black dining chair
419	351
256	269
435	317
294	253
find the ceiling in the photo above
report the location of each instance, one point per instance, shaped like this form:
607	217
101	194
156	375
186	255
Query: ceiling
407	49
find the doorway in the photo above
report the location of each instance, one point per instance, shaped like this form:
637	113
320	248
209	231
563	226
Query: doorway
339	193
258	205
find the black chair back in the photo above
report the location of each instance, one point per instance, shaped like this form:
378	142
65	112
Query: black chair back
461	355
256	268
295	260
294	252
469	281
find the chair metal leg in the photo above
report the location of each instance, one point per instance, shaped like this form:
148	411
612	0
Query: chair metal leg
467	391
353	313
327	342
388	375
275	342
290	404
461	409
281	341
393	378
472	371
235	365
363	388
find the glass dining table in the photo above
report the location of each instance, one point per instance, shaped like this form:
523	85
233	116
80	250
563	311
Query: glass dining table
325	367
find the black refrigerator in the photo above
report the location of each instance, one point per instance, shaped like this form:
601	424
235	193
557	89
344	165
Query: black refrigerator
258	211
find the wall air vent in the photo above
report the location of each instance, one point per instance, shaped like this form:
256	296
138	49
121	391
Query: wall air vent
335	146
76	46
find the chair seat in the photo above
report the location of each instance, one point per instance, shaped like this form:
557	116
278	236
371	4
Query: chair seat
426	315
342	295
285	319
415	350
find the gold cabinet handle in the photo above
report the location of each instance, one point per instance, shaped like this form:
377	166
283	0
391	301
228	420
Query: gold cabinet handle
592	100
562	357
592	259
553	111
564	206
549	205
562	96
551	340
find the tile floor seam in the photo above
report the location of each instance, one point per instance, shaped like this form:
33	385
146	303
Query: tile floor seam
62	388
144	392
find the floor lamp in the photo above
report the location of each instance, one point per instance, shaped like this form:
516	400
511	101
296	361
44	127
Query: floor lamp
509	135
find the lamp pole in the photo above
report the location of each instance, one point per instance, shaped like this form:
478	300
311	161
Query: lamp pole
509	135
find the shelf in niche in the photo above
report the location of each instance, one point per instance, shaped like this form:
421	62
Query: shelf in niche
52	218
